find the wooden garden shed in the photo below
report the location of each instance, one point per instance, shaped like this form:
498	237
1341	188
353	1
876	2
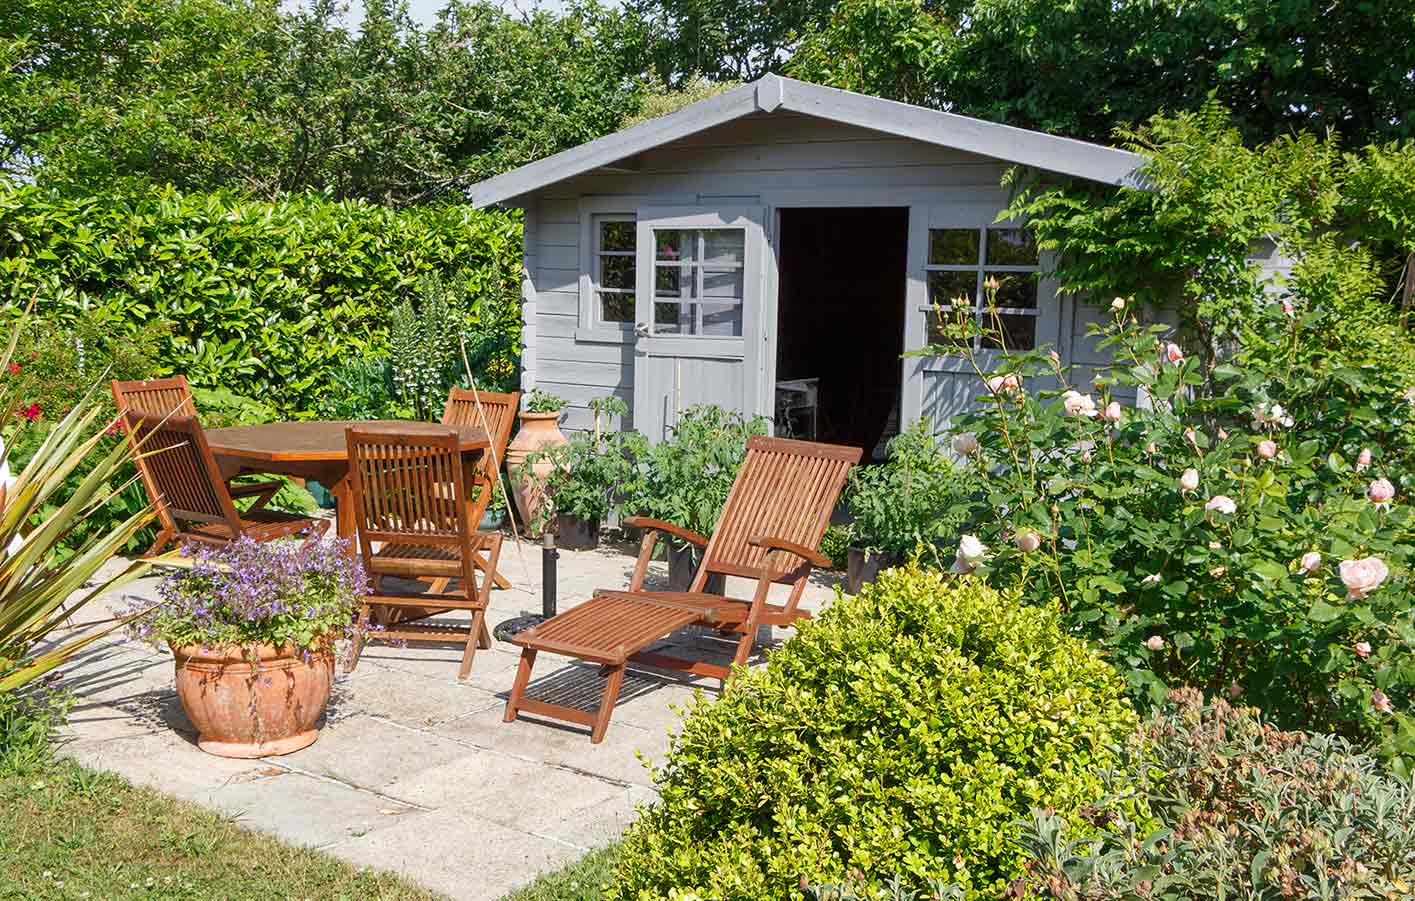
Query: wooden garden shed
776	249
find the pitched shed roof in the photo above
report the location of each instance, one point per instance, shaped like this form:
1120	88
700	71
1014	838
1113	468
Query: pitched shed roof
773	93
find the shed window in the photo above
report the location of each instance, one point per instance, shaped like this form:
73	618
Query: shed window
961	262
697	281
614	269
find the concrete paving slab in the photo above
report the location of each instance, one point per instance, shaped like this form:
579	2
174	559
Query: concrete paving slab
370	753
304	809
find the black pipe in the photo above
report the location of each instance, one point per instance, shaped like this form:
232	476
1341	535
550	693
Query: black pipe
548	555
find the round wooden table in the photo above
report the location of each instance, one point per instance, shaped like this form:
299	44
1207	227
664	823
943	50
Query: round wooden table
317	450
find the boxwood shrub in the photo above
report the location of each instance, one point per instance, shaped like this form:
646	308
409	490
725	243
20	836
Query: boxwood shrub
906	731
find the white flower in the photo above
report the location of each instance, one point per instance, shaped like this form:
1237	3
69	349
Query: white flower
1189	480
1151	579
1311	562
1118	304
1005	384
1028	541
1154	643
965	444
1078	404
1363	459
1221	503
1267	449
1381	492
1112	412
971	554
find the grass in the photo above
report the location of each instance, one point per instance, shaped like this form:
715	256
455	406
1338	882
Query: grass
580	881
71	832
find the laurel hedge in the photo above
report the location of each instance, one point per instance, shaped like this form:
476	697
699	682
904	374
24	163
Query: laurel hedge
263	299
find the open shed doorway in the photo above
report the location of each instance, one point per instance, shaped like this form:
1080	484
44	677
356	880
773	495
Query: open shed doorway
842	275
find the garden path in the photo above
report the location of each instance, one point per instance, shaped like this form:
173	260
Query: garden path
414	771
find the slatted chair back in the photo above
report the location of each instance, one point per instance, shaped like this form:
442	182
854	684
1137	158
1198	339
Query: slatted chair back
500	412
158	397
785	489
178	469
408	488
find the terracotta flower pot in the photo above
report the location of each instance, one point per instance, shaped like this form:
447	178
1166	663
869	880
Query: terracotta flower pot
260	710
538	430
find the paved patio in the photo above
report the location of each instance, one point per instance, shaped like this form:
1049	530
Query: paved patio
414	770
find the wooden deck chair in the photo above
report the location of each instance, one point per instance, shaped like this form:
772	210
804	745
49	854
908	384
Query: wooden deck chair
163	397
500	413
769	530
184	483
422	530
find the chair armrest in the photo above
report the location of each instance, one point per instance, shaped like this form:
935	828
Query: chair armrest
815	558
688	535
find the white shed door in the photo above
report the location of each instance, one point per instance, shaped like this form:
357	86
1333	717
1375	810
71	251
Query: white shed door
960	251
698	302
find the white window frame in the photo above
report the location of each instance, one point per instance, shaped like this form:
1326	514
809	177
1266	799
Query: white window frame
597	256
696	298
981	268
590	325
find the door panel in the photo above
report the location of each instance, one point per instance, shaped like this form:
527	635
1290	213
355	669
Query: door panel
698	302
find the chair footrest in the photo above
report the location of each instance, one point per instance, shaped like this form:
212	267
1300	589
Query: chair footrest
606	628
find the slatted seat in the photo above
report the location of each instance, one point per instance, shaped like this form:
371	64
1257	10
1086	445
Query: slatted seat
193	503
769	530
408	527
173	396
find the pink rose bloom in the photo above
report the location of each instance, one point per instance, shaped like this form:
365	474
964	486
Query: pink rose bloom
1363	459
1173	353
1028	541
1004	384
1287	306
1221	503
1189	480
1151	448
1078	404
1112	412
1380	701
1311	562
965	444
1267	448
1154	643
1362	649
1361	577
1235	690
1381	491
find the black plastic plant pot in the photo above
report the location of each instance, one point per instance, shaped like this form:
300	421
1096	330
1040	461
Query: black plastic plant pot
862	567
575	533
683	563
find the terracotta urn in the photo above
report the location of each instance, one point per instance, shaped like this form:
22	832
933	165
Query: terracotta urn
261	707
538	430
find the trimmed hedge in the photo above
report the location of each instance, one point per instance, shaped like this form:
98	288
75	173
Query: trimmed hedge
264	298
906	731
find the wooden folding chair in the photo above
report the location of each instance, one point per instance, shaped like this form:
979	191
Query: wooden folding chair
769	530
173	396
184	483
411	502
499	411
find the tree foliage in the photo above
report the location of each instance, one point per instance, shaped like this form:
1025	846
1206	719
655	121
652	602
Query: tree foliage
238	94
1083	66
723	39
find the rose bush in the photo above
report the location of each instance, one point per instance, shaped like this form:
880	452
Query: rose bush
1229	540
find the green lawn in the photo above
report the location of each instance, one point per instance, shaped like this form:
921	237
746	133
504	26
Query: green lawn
580	881
70	832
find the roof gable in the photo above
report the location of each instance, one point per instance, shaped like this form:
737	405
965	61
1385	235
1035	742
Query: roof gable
1066	156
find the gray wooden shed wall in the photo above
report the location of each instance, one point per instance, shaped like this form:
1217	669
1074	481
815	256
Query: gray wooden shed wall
773	160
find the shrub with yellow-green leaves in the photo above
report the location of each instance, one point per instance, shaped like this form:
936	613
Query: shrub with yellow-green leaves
905	732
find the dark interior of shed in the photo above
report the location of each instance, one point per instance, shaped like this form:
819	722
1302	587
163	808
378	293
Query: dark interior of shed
840	319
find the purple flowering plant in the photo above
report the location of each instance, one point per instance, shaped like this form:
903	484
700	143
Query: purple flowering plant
305	595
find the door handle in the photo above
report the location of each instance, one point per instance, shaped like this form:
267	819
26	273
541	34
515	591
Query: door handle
641	329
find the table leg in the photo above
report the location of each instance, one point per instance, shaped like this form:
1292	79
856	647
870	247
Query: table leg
343	491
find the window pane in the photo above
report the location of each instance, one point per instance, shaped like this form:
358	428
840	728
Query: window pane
616	236
616	272
723	246
722	320
671	318
616	308
1011	247
953	246
940	321
674	244
722	285
1016	289
1019	331
946	287
668	280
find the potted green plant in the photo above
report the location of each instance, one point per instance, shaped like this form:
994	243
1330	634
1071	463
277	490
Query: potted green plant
540	429
589	475
913	500
252	628
686	480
